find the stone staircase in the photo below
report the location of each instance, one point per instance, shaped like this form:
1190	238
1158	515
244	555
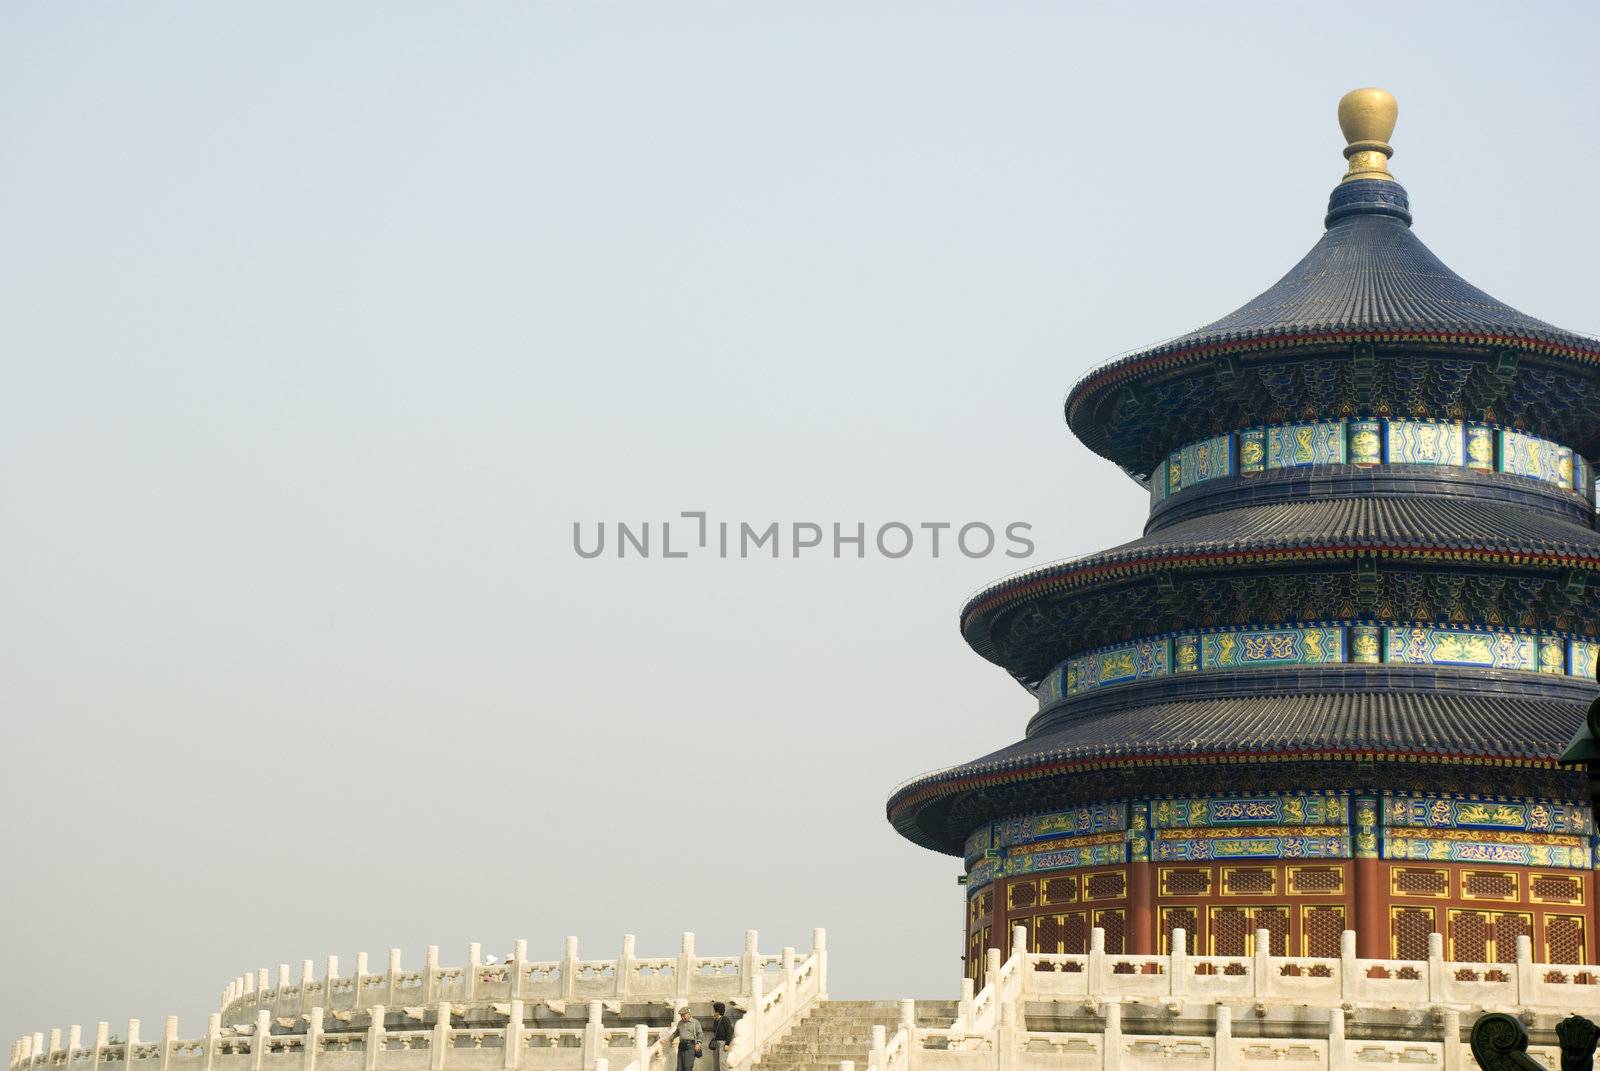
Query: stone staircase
838	1030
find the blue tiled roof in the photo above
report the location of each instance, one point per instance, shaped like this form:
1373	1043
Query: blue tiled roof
1368	271
1503	532
1427	726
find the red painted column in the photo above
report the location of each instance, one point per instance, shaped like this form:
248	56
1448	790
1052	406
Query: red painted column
1000	936
1371	921
1141	910
1141	883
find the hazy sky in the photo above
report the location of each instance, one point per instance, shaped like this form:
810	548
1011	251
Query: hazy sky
320	325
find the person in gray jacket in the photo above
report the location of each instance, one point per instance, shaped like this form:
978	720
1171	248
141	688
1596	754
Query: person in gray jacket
689	1037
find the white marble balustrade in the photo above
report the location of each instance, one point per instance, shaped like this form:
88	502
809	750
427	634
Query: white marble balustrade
773	992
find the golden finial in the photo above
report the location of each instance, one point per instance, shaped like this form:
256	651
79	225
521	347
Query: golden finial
1367	118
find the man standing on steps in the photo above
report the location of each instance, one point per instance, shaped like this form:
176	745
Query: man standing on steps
689	1037
721	1036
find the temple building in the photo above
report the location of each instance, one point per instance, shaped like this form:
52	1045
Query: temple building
1326	689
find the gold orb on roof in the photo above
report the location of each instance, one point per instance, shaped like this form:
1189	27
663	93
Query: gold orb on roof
1366	116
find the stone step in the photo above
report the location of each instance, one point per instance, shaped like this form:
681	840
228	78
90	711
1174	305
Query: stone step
833	1027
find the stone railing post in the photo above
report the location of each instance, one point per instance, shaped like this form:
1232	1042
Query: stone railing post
641	1047
308	978
591	1035
819	948
394	978
1349	972
441	1031
474	969
1452	1039
876	1046
519	956
1111	1053
1178	963
133	1043
1338	1052
515	1046
263	983
74	1040
756	1033
1097	963
624	978
1436	967
361	971
430	975
1260	963
169	1039
55	1044
749	962
1526	990
1222	1038
102	1035
213	1039
991	972
964	1006
569	971
1008	1039
376	1042
908	1023
262	1040
313	1045
684	973
330	970
283	983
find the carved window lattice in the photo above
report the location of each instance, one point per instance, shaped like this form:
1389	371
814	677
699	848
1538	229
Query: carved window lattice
1508	926
1469	936
1316	880
1022	894
1067	933
1047	934
1115	923
1230	931
1409	928
1026	926
1564	939
1276	921
1075	933
1061	890
1110	885
1488	885
1186	881
1556	889
1419	881
1185	918
1249	881
1321	929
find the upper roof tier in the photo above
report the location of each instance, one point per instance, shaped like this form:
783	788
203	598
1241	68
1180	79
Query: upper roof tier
1369	322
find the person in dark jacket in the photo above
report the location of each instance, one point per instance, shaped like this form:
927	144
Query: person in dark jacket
721	1036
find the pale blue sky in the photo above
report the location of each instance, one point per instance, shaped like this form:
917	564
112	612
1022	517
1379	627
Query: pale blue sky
321	323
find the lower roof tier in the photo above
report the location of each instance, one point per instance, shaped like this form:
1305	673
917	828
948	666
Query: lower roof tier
1400	558
1344	727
